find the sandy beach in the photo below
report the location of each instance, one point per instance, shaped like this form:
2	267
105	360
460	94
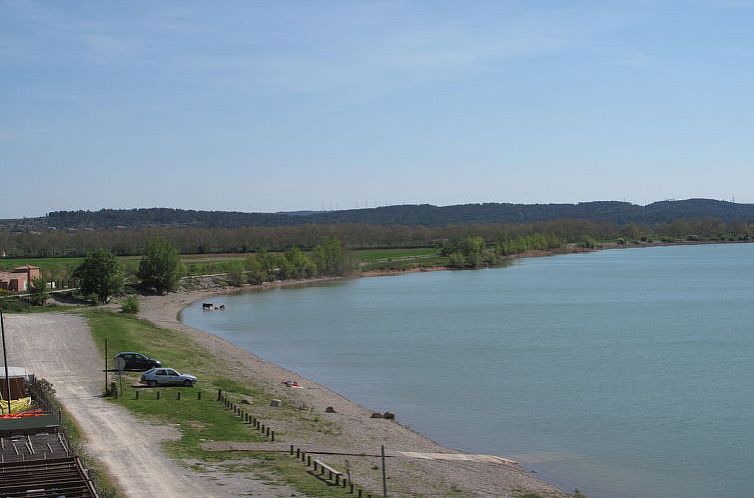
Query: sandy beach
417	465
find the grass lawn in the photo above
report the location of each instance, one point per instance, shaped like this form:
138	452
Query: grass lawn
398	259
197	420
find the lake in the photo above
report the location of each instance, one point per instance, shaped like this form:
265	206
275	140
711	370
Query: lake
623	373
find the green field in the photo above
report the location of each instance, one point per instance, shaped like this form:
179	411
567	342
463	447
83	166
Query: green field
398	259
204	264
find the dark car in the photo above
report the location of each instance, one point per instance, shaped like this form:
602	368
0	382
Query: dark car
136	362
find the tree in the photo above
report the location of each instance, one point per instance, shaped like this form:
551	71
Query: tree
297	264
235	271
160	267
100	275
330	257
38	291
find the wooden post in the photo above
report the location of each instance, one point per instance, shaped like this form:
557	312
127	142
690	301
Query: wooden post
384	474
298	453
268	432
359	493
291	449
178	396
137	394
303	456
219	394
158	394
350	489
308	461
273	436
198	395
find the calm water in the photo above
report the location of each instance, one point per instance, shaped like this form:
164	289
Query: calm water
624	373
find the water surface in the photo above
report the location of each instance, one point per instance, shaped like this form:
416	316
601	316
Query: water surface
624	373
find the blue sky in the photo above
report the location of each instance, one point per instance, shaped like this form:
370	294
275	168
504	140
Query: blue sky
268	106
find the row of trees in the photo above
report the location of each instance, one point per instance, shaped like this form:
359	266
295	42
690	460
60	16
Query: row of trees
473	251
101	275
194	240
328	258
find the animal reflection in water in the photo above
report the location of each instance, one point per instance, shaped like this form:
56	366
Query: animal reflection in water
210	307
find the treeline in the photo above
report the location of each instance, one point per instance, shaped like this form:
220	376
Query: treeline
474	251
193	240
424	214
328	258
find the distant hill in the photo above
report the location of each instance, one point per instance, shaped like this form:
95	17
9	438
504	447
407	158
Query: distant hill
605	211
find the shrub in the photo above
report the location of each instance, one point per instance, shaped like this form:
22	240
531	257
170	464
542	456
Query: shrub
130	304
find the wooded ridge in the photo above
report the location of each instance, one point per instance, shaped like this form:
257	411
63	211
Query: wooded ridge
614	212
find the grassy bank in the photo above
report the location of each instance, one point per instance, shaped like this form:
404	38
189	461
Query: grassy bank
206	419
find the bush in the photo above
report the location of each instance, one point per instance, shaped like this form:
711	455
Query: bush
130	304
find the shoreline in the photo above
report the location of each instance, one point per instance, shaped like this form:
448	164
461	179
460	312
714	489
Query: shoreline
356	431
473	478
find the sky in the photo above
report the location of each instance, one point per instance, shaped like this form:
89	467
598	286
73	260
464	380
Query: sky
309	105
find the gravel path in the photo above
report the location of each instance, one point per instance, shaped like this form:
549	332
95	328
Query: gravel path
59	347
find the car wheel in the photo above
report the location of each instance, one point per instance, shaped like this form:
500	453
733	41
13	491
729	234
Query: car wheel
187	383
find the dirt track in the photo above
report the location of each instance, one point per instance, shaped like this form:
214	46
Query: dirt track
59	348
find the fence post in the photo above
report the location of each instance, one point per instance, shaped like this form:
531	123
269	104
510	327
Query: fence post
219	394
198	395
178	396
158	394
291	449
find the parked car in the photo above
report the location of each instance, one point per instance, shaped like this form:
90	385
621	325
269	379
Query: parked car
167	377
136	362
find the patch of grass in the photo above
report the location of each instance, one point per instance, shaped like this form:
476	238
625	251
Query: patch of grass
398	259
197	420
372	255
283	469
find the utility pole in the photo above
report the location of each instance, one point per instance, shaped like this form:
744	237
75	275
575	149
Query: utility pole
5	359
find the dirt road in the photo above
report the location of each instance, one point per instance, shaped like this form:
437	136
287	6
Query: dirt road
59	348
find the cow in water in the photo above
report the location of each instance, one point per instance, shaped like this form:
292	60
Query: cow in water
207	306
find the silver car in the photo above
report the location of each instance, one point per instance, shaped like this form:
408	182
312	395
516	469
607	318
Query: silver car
167	377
